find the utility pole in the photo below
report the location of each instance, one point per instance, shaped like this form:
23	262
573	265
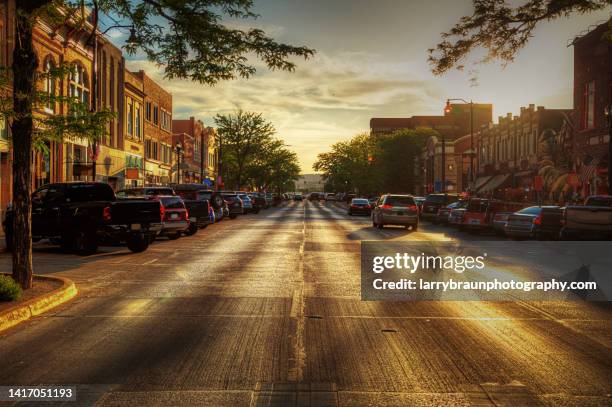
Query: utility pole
608	114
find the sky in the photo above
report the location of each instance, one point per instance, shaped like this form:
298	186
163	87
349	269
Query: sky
371	61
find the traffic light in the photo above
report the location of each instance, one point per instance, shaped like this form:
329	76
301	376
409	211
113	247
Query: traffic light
448	108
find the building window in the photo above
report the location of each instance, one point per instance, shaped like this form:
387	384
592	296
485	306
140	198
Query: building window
79	84
155	115
49	85
3	128
137	120
130	118
148	111
154	149
165	120
589	105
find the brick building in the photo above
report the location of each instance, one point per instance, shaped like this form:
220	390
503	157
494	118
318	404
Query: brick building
133	139
592	93
517	148
200	151
157	132
451	125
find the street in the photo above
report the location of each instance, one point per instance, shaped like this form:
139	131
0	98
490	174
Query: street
265	310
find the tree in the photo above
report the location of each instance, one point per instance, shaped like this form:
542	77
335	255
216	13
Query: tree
395	158
187	38
243	136
502	30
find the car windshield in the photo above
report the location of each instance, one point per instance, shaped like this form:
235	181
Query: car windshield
397	200
172	202
360	201
532	210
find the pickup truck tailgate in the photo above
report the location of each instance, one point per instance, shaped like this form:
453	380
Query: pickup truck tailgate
136	211
589	218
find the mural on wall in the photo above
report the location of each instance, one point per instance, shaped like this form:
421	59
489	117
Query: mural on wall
555	161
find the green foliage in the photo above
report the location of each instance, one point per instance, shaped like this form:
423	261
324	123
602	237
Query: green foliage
374	164
251	156
501	29
9	289
79	123
192	38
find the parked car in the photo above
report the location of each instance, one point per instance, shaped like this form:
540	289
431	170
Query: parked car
247	203
175	217
526	222
234	205
445	211
216	202
269	198
551	223
83	215
396	210
433	203
330	197
197	202
480	213
372	200
258	201
420	200
500	219
315	196
455	217
359	206
593	220
349	197
298	197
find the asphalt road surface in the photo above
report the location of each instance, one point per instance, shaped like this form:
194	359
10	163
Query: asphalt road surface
265	310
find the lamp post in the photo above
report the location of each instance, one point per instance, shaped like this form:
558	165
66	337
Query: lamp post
178	149
608	114
448	109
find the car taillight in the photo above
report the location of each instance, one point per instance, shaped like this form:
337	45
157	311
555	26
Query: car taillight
537	220
386	206
412	207
106	213
162	211
186	214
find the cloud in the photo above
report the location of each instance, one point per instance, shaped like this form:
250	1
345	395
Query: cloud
325	100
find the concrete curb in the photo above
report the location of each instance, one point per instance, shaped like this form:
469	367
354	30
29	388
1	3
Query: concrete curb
39	305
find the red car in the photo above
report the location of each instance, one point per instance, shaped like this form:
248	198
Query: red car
174	216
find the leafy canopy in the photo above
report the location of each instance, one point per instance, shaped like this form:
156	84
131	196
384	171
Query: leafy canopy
194	39
501	29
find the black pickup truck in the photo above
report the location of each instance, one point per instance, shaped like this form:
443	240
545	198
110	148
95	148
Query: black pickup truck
198	205
82	215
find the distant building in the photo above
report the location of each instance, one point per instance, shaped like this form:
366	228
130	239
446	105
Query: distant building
451	125
592	93
310	183
199	150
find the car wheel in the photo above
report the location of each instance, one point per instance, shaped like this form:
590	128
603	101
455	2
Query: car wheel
192	230
380	226
174	236
233	216
137	244
415	227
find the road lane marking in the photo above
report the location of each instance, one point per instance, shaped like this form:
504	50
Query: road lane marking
146	263
296	372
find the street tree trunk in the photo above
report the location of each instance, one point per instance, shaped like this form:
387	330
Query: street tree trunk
24	76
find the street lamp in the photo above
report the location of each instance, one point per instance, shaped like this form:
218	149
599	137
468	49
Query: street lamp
448	109
608	114
178	149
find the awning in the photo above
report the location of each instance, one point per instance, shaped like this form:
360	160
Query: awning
498	181
480	181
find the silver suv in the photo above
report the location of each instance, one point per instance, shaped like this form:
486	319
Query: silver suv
392	209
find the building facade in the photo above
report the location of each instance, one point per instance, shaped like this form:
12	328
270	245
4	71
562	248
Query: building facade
200	150
157	132
133	139
310	183
592	94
